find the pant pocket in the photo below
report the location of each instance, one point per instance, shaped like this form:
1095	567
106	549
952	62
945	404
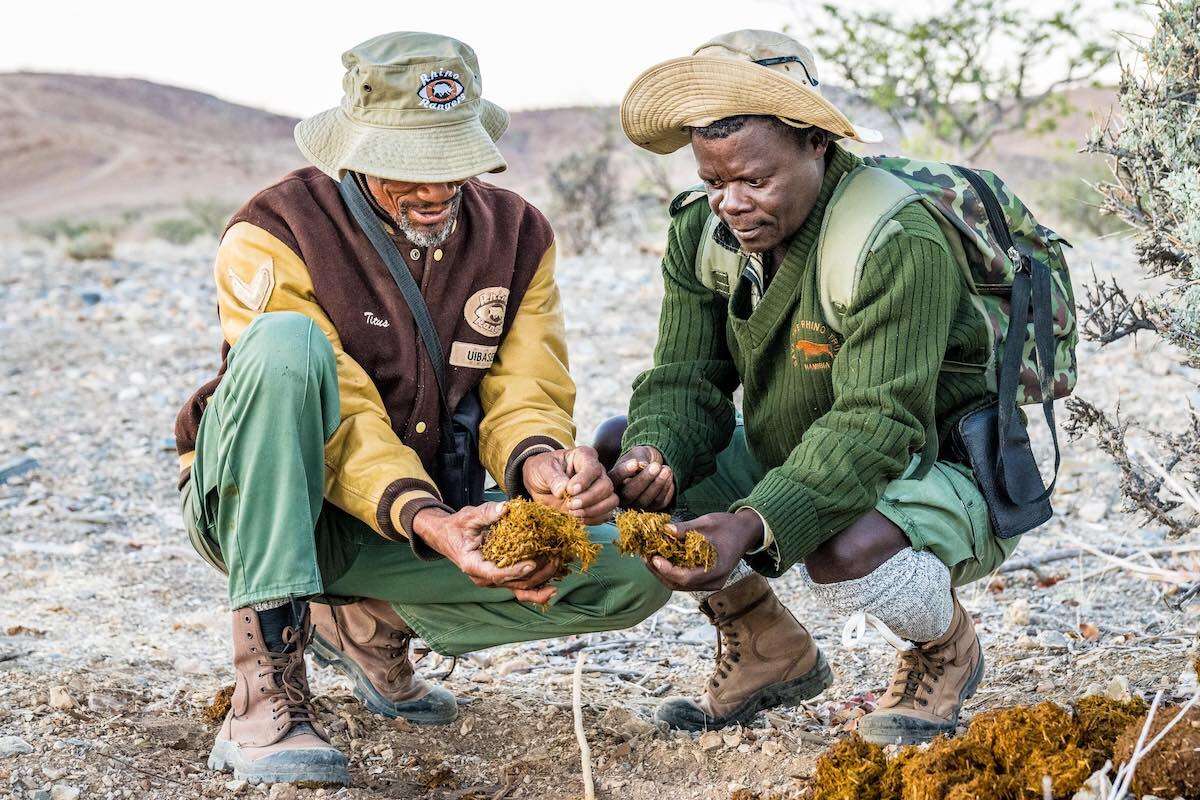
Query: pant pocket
195	519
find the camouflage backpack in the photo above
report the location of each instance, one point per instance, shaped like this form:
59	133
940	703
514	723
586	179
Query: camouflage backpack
1013	266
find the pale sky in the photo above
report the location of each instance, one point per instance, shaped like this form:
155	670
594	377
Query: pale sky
285	56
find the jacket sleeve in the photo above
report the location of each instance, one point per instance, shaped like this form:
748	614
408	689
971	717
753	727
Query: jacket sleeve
528	395
884	380
683	405
369	472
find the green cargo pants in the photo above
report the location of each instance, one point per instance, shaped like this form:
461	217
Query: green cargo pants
943	512
254	508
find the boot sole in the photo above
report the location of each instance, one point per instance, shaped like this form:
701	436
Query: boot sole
326	655
327	769
786	693
897	729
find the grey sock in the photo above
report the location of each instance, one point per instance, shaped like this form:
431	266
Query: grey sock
909	593
742	570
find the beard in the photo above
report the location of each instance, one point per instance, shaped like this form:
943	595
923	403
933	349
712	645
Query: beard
423	235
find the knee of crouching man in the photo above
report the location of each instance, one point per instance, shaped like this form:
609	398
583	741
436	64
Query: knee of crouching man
283	344
641	594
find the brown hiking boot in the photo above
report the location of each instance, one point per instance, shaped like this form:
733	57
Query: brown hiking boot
271	733
931	682
765	658
368	642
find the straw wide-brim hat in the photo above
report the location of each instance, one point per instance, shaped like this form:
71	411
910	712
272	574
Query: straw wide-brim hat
411	111
743	72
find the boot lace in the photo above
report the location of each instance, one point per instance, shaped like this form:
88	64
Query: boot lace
727	637
918	670
401	667
291	699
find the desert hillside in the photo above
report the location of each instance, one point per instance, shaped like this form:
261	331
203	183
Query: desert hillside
88	146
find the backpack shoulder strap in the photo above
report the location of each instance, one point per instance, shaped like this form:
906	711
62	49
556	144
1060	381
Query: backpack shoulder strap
686	198
857	220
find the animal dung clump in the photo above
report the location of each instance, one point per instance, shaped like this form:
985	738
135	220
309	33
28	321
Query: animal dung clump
1003	754
530	531
216	710
645	534
851	769
1100	720
1172	767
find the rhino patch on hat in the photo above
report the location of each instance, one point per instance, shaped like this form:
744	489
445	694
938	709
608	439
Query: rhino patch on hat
441	90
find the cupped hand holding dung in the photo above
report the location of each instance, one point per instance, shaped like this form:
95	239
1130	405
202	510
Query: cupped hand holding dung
459	537
643	480
732	535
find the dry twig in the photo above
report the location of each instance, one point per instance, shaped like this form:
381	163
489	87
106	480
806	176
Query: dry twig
585	752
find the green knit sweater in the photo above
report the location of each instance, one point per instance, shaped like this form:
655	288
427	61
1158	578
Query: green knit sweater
832	419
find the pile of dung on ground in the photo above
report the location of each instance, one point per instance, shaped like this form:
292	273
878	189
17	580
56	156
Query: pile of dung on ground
851	769
1172	768
645	534
1003	755
216	710
1100	720
530	531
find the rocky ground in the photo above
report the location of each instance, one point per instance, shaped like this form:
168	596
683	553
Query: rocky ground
113	634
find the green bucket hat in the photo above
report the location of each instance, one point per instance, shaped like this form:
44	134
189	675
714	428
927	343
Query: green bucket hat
411	110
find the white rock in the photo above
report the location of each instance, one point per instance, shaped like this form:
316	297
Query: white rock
64	792
513	665
235	787
1017	612
771	748
1096	787
61	698
711	740
14	746
1093	510
282	791
1118	688
1053	640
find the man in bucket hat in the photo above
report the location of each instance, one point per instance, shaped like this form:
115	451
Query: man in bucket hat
307	462
837	419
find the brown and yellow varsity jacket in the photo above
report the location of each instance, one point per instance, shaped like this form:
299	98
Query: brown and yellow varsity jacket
491	292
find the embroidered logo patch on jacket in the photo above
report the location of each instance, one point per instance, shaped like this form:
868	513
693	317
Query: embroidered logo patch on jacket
484	310
814	346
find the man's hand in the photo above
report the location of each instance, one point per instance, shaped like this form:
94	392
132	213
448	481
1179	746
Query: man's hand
459	537
731	534
572	481
643	480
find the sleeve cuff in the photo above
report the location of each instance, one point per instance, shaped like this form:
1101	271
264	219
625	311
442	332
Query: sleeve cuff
408	511
399	494
514	484
790	516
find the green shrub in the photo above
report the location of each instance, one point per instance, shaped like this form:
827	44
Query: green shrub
178	230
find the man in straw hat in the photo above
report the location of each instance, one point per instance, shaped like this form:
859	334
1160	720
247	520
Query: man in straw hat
823	471
307	462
